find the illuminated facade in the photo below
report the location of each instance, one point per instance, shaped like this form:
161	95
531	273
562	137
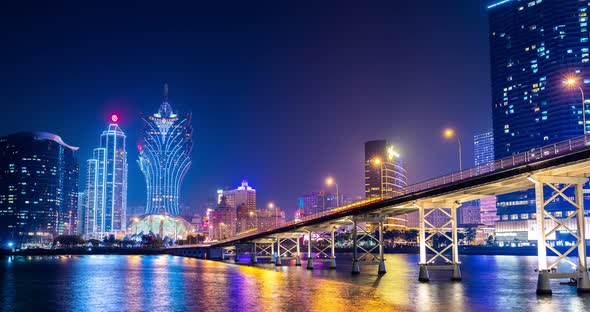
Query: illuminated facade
106	185
38	187
483	156
161	225
164	149
317	202
243	200
222	221
535	46
385	174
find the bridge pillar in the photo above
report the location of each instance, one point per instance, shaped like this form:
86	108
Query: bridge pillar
236	260
355	260
548	225
426	241
278	259
333	253
382	269
309	256
298	256
253	257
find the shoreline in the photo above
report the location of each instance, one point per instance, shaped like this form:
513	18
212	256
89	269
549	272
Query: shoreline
463	250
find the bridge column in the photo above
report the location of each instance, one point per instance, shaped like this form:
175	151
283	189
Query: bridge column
423	276
382	269
545	230
451	263
333	246
298	257
278	261
236	260
253	257
309	256
272	253
355	261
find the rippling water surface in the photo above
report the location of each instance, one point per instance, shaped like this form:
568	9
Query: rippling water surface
167	283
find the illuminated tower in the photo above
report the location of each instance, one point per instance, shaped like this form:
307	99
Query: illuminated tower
106	185
164	148
385	174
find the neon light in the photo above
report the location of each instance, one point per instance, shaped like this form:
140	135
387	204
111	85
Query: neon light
498	3
164	150
114	118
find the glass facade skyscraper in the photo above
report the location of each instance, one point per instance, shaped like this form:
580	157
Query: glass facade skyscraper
106	185
164	149
38	187
385	174
535	45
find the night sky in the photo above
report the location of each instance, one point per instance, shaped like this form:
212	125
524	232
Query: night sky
282	94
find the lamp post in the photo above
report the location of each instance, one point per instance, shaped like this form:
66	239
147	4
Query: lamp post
329	182
572	83
450	133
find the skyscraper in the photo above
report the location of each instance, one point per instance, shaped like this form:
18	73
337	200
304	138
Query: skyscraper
243	200
483	157
317	202
385	174
106	185
164	149
535	46
38	187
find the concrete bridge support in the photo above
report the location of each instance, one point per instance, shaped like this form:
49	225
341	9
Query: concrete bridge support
323	242
375	251
288	248
262	249
451	263
547	225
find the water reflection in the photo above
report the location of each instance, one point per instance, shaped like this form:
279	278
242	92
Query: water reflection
166	283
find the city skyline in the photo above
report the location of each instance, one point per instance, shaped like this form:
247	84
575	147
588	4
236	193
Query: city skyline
291	113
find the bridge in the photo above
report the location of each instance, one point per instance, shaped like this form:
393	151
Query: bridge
554	171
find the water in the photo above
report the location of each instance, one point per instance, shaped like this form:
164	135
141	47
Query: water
167	283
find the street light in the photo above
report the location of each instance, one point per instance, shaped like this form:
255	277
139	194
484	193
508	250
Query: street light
271	205
136	221
572	83
329	182
449	134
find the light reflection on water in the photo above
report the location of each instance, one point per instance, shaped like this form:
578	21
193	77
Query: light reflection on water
166	283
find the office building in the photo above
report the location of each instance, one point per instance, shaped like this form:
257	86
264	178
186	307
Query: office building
483	156
222	221
164	149
243	200
385	174
38	188
535	46
106	185
317	202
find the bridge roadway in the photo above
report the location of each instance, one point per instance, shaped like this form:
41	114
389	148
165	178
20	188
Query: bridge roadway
553	171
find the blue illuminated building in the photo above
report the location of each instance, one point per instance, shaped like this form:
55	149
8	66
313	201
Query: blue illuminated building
106	185
164	149
38	188
535	45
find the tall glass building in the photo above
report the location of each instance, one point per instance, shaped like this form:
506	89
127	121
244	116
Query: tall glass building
385	174
535	45
483	157
106	185
164	149
38	188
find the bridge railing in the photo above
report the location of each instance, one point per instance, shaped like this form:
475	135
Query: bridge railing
535	154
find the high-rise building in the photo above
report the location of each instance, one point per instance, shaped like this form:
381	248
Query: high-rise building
269	218
81	224
243	200
38	187
385	174
317	202
164	149
483	157
222	221
535	46
106	185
